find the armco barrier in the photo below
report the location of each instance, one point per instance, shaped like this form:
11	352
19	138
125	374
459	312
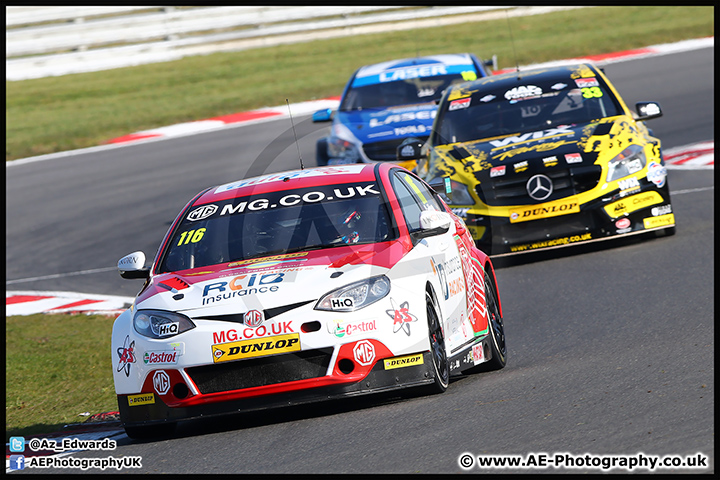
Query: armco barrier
51	41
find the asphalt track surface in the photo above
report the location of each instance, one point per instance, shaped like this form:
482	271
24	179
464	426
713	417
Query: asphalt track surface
611	347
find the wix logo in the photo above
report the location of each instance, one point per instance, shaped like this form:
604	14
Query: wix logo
531	135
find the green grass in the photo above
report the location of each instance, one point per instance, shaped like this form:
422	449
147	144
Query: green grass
56	366
73	111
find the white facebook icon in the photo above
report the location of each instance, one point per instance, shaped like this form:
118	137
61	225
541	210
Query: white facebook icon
17	462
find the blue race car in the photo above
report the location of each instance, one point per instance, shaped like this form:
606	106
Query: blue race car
386	103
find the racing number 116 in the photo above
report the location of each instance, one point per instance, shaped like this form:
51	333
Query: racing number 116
193	236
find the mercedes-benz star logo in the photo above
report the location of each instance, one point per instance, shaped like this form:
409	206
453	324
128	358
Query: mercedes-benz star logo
539	187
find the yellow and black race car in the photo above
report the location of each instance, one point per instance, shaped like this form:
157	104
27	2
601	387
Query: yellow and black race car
546	158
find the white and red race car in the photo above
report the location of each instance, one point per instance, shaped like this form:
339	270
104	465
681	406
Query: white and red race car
303	286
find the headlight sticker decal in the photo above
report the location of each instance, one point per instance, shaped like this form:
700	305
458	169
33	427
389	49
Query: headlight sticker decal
126	355
401	317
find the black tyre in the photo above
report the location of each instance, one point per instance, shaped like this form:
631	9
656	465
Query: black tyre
321	155
665	232
150	431
437	348
497	328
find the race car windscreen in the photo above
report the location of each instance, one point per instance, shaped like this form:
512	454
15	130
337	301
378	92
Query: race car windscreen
401	92
276	223
527	107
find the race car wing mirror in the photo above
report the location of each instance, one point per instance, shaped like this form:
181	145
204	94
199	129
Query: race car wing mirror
409	149
432	222
648	110
324	115
133	266
491	62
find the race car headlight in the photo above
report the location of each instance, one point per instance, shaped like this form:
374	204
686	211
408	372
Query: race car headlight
343	149
627	162
460	193
356	295
161	324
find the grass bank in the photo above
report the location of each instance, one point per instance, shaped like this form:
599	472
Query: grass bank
56	366
74	111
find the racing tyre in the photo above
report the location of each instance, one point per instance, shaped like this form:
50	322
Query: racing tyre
497	328
437	348
150	431
665	232
321	155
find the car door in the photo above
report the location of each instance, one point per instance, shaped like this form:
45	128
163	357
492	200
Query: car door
442	252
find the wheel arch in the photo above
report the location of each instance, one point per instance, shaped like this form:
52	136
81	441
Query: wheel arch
430	289
441	373
488	266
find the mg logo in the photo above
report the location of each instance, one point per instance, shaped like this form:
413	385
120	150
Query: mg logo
253	318
201	213
161	382
364	353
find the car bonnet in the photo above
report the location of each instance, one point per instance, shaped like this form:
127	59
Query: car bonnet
268	282
574	145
